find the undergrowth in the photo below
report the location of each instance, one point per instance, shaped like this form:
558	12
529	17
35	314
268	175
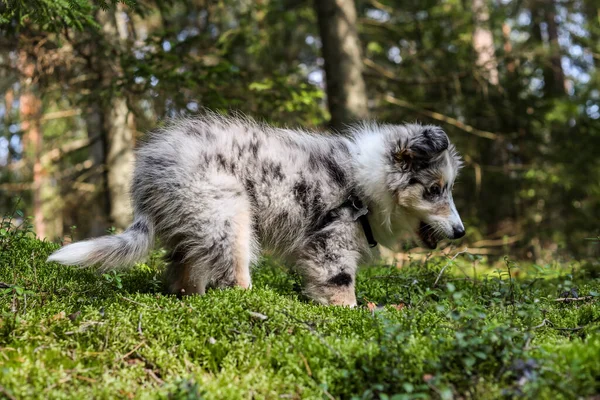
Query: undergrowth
436	329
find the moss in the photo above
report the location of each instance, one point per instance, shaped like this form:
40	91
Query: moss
72	333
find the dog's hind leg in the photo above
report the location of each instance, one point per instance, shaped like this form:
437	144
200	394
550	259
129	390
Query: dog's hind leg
329	262
215	245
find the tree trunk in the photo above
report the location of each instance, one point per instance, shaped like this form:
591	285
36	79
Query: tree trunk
99	207
554	77
483	41
29	109
119	161
118	124
346	90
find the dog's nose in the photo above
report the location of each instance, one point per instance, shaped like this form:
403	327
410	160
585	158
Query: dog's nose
458	232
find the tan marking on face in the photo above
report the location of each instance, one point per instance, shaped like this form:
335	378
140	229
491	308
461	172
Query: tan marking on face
342	296
442	209
409	196
441	182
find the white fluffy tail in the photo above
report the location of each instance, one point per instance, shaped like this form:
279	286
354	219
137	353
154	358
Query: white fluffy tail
110	252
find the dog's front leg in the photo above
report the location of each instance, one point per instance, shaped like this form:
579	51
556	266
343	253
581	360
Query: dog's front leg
328	263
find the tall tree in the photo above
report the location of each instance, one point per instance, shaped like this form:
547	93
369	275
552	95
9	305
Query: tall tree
30	110
544	15
483	41
346	89
119	126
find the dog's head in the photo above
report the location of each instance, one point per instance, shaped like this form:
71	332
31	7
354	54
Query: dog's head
421	167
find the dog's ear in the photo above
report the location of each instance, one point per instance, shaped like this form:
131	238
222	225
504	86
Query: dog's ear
422	148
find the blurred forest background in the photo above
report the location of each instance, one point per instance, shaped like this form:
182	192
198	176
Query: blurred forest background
514	83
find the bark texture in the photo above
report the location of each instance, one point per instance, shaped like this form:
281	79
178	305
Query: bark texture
544	12
483	41
119	125
346	90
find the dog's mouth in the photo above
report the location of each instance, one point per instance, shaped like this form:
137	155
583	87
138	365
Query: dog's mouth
428	235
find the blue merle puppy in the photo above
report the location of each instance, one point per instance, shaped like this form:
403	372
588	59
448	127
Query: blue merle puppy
217	190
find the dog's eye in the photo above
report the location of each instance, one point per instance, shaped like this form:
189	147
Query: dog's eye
435	190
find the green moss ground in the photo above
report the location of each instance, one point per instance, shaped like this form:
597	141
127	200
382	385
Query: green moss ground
69	333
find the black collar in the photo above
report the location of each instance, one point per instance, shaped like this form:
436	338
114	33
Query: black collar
360	214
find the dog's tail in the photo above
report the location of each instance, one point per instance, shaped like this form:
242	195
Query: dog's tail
110	252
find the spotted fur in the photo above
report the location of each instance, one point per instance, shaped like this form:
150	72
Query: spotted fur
218	190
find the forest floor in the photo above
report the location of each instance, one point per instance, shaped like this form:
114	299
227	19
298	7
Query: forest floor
444	329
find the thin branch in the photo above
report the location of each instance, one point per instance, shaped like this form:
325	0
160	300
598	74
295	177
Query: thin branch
139	328
70	147
381	6
392	76
447	264
7	393
569	299
440	117
60	114
139	304
498	242
544	322
140	344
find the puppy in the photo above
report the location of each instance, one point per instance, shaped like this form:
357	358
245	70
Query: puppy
217	190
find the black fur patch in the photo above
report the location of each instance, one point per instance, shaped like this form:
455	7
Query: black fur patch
201	131
272	171
161	163
250	189
301	193
222	161
341	279
277	172
318	161
429	143
335	172
254	148
140	226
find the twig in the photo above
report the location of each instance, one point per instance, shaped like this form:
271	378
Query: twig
577	328
57	153
569	299
256	315
441	117
140	304
544	322
140	344
154	376
380	70
85	378
84	327
308	371
139	328
549	323
7	393
381	6
447	264
498	242
60	114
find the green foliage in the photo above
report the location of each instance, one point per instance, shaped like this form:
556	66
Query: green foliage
439	332
535	180
53	15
